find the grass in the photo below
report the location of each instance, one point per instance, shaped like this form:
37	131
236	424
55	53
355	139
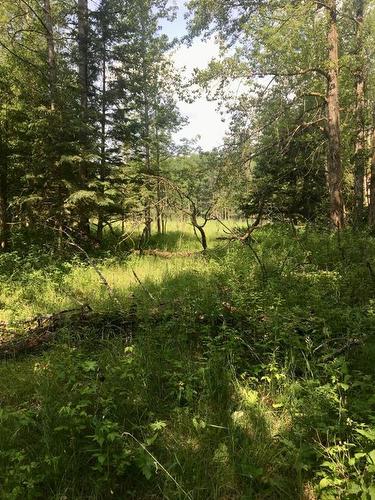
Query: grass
242	380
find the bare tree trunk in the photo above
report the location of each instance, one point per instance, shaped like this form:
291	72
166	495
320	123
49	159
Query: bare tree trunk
4	226
203	237
146	124
334	165
83	28
51	52
103	133
52	79
146	121
200	228
371	214
360	146
148	218
159	187
164	224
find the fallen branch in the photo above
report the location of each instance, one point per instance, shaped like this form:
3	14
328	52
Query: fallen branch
143	287
244	237
33	335
164	254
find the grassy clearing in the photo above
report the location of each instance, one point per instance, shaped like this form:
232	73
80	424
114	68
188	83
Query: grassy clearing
243	380
40	284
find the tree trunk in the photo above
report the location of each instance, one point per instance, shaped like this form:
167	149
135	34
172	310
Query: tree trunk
360	146
4	226
371	214
52	79
334	165
51	58
103	124
146	120
83	28
159	188
202	232
148	218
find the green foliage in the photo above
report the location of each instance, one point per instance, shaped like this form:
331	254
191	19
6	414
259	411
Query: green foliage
237	382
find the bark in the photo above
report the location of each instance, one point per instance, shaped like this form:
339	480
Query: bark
51	58
371	215
200	227
203	237
148	218
159	188
360	146
159	213
83	54
52	79
146	124
334	165
4	154
83	28
4	226
103	124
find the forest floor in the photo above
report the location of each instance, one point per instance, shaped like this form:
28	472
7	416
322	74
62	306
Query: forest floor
244	373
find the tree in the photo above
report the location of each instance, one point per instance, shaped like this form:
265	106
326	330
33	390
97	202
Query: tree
334	166
360	142
83	47
292	47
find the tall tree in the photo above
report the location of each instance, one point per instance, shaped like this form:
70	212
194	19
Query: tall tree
360	142
334	164
290	48
83	48
4	225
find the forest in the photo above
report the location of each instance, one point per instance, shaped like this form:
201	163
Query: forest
180	321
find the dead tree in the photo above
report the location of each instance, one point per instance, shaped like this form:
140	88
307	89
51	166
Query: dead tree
192	210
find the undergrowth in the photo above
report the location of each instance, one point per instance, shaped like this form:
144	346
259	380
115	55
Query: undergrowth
249	375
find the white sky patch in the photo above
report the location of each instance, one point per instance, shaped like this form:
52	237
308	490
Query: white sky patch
204	119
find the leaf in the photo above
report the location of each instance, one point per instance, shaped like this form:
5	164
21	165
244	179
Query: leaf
277	405
145	463
151	440
343	386
371	455
99	440
89	366
371	491
324	483
354	488
158	425
369	434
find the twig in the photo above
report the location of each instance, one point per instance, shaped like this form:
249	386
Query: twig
144	288
187	495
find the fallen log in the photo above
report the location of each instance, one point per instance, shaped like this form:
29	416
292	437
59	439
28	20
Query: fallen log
32	335
164	254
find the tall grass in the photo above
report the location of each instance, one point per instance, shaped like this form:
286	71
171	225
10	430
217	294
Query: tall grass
245	377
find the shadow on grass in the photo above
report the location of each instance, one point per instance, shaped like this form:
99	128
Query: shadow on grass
174	388
198	387
174	240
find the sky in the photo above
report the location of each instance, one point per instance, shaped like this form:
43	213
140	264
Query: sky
204	119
